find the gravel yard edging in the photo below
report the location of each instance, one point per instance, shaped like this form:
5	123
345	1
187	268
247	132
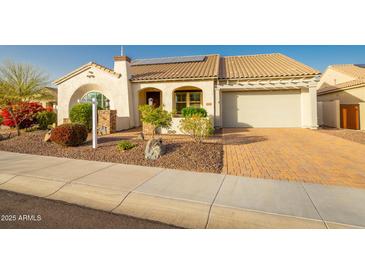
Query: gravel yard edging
180	154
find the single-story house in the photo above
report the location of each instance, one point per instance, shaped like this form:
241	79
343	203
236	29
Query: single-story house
265	90
51	99
341	96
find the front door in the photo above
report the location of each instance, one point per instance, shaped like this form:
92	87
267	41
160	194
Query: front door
349	115
153	97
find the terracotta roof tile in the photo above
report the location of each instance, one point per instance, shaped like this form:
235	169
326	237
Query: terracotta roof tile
262	65
208	68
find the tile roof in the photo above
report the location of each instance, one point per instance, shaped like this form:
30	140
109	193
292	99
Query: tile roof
341	86
262	65
353	70
208	68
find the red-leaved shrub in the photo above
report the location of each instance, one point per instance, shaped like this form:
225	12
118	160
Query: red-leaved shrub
69	134
24	112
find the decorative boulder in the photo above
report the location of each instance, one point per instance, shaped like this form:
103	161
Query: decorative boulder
47	137
140	136
154	149
4	137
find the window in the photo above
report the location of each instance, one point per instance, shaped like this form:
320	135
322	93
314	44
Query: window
103	102
187	99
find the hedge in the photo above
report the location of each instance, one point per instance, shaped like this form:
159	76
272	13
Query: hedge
191	111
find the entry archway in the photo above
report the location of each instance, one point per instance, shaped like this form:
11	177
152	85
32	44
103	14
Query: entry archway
150	96
85	93
103	101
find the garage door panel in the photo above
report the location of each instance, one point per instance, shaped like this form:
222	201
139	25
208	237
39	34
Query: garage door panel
261	109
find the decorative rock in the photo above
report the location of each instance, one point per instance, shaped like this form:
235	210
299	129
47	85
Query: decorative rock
4	136
154	149
140	136
47	137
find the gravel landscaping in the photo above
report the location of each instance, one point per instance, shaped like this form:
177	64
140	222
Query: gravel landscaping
180	153
357	136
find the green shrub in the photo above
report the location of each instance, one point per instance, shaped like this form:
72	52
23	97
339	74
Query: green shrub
82	114
190	111
156	117
125	145
69	134
46	118
197	127
1	119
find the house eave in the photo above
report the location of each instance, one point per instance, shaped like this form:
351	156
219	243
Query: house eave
339	89
173	80
82	69
269	83
268	78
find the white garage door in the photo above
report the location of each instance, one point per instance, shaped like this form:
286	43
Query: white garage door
261	109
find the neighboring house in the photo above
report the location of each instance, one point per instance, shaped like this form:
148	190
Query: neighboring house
52	100
266	90
341	96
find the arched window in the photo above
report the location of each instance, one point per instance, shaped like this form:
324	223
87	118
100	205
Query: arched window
187	98
103	102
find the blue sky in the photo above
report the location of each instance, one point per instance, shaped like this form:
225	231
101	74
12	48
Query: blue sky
59	60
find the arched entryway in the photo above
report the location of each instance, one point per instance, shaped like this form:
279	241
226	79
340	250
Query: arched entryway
103	101
150	96
85	93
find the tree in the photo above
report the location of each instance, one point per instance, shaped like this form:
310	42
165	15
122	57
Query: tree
20	83
157	117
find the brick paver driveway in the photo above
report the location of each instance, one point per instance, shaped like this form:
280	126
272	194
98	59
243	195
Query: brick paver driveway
294	154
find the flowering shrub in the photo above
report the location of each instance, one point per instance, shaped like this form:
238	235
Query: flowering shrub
197	127
24	113
155	117
69	134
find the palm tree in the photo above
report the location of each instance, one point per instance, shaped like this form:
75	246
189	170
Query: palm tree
20	83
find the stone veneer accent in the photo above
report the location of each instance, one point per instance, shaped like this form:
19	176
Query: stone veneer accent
147	129
107	121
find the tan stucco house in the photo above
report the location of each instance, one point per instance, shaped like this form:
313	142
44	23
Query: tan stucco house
51	100
341	96
267	90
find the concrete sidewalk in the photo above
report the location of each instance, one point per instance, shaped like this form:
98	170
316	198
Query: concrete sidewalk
182	198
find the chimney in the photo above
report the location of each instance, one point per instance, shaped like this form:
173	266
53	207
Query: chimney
121	64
